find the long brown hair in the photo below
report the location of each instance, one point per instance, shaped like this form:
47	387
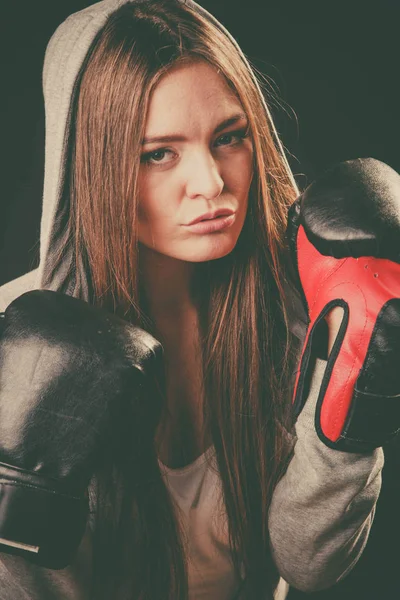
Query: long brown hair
246	346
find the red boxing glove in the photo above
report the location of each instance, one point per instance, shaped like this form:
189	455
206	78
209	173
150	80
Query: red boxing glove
344	233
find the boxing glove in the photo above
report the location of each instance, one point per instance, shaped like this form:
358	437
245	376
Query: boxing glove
69	373
344	236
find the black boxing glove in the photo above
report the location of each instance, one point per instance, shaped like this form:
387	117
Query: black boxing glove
344	234
68	372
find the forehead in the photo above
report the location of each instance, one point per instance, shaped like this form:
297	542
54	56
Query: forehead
188	95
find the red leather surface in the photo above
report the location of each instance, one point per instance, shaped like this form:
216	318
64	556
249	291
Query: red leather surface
365	284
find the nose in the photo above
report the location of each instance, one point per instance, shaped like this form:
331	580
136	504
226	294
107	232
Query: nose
204	177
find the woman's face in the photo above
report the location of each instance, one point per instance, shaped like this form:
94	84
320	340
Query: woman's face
196	165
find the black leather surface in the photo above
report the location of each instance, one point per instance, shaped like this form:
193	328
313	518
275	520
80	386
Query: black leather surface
380	374
70	377
354	210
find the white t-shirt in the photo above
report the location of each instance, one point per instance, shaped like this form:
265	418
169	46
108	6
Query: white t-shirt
197	491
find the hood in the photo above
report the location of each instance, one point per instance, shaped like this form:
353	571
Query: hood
65	55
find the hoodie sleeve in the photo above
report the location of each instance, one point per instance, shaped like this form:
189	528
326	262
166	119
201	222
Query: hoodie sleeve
323	507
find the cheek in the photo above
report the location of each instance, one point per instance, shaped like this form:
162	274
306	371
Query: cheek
240	173
158	215
142	215
155	203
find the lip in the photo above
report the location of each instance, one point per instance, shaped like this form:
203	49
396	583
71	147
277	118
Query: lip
212	215
212	225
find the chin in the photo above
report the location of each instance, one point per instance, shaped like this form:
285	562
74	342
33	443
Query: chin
214	247
197	249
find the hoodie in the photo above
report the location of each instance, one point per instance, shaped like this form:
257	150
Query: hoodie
323	506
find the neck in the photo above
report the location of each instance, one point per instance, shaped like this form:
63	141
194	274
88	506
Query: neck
167	284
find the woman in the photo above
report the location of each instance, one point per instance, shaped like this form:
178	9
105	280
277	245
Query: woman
165	201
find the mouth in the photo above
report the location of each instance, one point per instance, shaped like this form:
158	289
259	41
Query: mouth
216	214
212	222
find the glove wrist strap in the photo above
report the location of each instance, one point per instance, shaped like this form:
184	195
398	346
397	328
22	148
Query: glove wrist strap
39	523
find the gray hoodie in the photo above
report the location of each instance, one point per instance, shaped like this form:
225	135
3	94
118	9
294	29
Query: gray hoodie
322	508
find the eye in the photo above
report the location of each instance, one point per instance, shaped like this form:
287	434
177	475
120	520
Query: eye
232	138
156	157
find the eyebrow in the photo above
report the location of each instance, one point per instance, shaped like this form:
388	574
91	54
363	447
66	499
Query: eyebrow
174	137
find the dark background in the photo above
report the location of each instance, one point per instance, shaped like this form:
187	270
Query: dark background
332	78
